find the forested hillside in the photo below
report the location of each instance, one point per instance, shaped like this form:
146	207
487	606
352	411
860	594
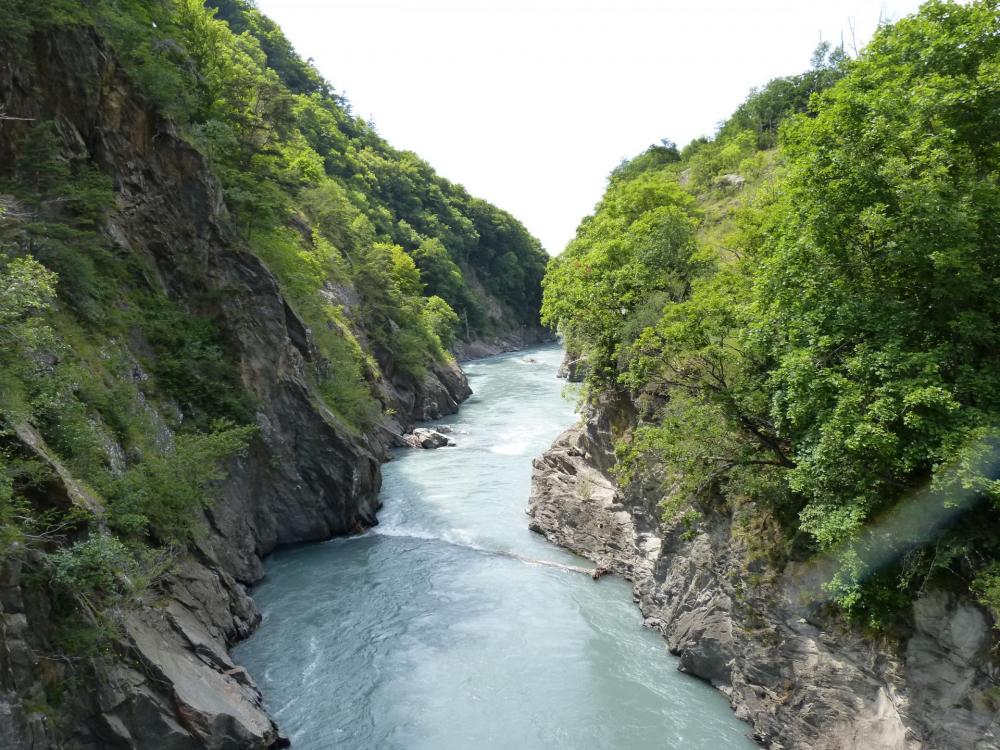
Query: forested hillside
316	193
802	315
384	261
221	296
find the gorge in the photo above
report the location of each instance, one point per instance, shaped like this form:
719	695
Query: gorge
226	300
451	634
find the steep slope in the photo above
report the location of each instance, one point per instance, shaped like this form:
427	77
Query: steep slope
789	334
205	376
800	675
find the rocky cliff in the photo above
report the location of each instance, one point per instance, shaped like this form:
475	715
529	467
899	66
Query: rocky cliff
800	676
512	342
166	680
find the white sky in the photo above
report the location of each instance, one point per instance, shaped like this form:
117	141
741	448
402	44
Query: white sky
530	104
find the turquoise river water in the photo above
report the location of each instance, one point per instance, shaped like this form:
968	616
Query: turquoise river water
417	636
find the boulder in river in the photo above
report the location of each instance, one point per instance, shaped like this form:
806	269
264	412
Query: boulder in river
424	437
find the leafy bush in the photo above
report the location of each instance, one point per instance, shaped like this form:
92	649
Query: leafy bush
163	495
987	588
99	565
191	363
27	289
441	319
831	348
639	244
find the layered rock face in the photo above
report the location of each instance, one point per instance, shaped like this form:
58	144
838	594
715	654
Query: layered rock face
169	682
510	342
799	676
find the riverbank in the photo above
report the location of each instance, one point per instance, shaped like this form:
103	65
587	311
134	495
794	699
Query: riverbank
800	677
514	341
450	625
193	377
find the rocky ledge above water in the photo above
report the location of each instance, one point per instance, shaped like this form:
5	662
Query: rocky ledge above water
800	677
512	341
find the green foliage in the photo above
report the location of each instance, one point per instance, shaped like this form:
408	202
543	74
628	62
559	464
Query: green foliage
163	495
299	76
92	583
329	208
441	319
317	194
78	257
987	587
69	199
722	156
282	142
877	284
43	172
690	521
191	364
767	108
638	245
27	289
40	166
439	271
141	398
100	565
736	149
16	516
654	158
830	348
305	268
390	283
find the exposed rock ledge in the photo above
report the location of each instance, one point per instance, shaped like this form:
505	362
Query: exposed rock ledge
797	676
512	341
167	680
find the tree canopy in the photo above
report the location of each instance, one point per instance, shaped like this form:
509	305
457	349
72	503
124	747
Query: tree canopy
805	307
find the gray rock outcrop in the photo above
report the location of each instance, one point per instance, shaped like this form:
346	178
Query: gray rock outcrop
167	680
730	181
573	367
509	342
799	676
424	437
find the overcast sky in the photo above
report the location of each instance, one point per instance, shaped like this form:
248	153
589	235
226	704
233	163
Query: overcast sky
531	103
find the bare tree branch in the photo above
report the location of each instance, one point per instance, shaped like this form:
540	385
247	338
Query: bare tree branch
5	116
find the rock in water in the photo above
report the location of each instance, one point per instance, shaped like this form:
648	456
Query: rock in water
599	572
425	437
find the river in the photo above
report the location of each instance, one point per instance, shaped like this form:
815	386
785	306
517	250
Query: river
418	636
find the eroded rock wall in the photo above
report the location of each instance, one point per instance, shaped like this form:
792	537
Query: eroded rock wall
799	676
168	681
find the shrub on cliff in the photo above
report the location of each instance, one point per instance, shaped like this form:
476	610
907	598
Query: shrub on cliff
836	354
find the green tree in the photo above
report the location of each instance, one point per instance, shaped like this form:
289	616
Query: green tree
877	285
164	495
637	247
27	291
831	348
441	319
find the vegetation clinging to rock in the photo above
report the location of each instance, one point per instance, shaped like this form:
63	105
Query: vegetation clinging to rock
822	336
